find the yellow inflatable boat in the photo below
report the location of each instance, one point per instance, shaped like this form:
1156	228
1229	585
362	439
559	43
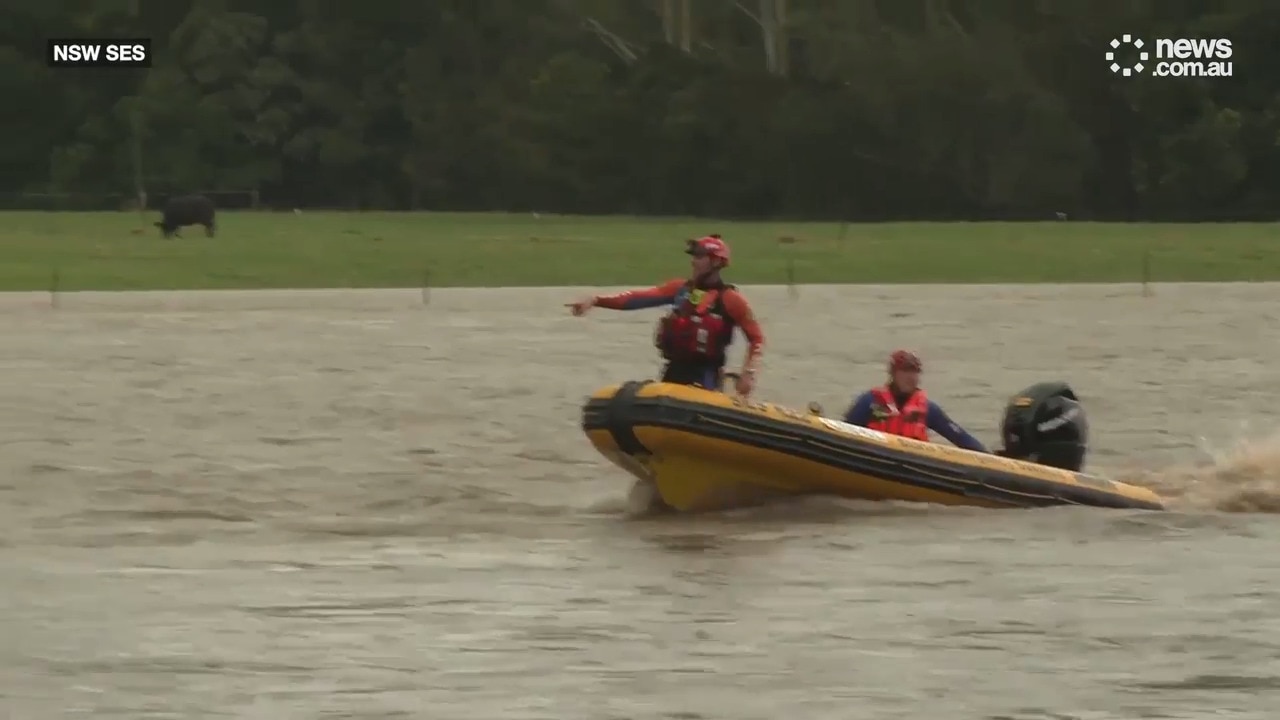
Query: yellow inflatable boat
702	450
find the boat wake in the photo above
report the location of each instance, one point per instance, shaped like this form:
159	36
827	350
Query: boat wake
1241	478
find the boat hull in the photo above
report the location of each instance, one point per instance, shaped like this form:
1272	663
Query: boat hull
705	450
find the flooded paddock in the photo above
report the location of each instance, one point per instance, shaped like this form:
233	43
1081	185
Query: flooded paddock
358	504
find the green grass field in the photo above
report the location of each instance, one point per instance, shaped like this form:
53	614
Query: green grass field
123	251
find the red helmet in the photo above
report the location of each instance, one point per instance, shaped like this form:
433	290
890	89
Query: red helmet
904	360
710	246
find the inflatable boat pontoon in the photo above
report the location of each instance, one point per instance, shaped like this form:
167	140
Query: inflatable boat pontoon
702	450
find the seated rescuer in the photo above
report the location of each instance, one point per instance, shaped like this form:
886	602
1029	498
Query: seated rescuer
901	407
695	335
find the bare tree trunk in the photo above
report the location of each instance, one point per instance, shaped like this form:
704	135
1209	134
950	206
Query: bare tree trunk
668	10
686	26
768	19
782	37
772	19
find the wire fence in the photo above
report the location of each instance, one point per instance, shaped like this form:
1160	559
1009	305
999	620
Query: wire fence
122	202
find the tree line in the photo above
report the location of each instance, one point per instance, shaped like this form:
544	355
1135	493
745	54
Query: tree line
824	109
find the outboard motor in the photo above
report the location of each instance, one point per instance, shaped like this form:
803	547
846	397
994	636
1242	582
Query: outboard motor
1046	424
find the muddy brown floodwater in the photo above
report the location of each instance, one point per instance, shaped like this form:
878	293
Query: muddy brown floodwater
348	504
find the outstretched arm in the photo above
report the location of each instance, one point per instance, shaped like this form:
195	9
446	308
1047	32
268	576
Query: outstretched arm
859	412
940	423
655	296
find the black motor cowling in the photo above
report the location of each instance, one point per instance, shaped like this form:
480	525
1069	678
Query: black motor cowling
1046	424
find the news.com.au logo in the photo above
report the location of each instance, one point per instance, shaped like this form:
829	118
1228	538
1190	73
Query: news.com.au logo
1174	57
99	52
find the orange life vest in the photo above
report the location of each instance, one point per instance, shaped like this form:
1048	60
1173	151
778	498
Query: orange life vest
697	330
910	421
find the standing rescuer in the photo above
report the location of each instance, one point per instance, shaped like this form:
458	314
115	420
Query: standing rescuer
901	407
704	310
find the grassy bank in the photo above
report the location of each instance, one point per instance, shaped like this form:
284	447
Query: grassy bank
122	251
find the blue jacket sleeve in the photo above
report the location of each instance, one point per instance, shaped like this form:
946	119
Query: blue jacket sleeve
860	412
940	423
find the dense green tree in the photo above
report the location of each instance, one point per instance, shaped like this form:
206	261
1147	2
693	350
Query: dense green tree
854	109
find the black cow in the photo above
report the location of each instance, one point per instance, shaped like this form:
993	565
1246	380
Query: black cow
187	210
